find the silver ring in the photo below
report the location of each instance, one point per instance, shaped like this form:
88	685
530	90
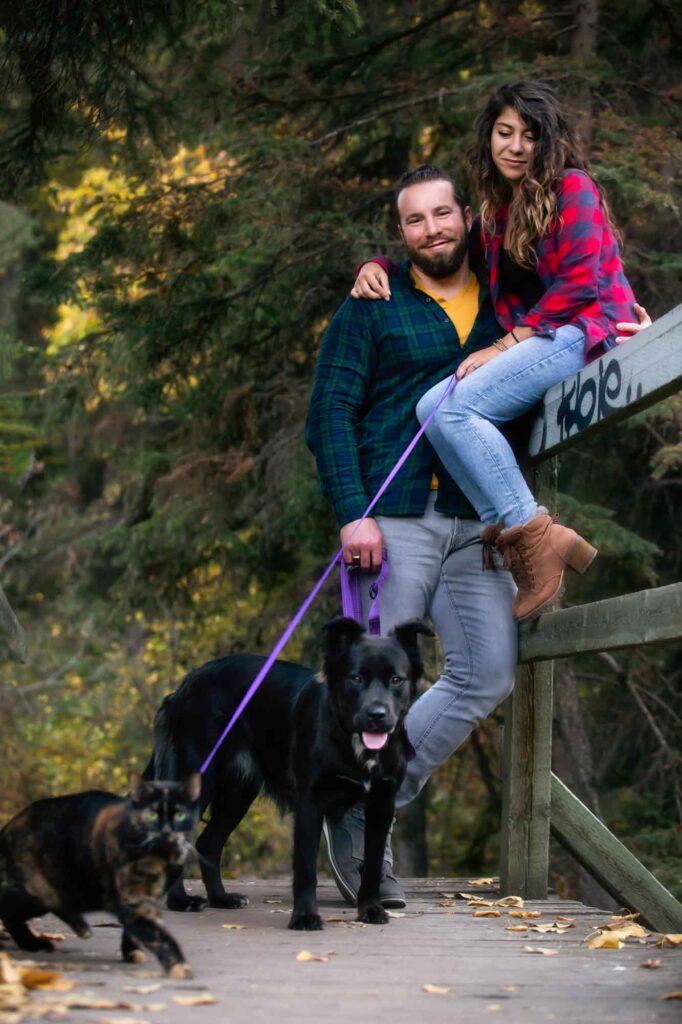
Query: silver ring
356	559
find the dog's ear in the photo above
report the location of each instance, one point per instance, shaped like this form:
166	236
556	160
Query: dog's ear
339	633
407	633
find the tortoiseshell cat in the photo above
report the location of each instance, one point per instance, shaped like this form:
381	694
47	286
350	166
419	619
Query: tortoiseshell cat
69	855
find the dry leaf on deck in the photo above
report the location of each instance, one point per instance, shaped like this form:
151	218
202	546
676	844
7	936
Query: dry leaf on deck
486	913
630	931
671	995
619	919
605	940
233	927
447	903
525	913
396	913
482	881
272	899
650	964
305	956
203	999
516	928
121	1020
436	990
449	895
142	990
36	977
476	901
9	972
564	918
542	950
549	927
510	901
674	939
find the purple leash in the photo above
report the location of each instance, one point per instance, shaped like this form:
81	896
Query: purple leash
351	593
284	638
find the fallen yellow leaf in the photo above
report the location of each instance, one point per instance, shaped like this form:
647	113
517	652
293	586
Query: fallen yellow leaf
516	928
203	999
510	901
122	1020
604	940
525	913
650	964
476	901
233	927
54	981
486	913
549	927
482	881
305	956
542	950
448	895
671	995
9	972
631	931
562	917
436	990
674	939
142	990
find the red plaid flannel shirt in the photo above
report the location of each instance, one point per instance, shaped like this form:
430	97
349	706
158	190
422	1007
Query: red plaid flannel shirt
579	264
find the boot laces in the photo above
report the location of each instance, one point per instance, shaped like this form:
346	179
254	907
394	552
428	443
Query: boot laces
489	542
516	558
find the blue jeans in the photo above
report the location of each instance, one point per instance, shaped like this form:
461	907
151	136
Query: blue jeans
464	432
436	571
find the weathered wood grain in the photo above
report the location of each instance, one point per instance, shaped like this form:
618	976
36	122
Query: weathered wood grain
632	620
635	375
527	760
610	862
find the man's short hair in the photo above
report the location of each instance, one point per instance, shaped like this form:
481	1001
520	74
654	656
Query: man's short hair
426	172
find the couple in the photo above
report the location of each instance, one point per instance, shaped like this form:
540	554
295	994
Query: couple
511	302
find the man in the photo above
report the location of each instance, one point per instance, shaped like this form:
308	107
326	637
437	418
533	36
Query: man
376	360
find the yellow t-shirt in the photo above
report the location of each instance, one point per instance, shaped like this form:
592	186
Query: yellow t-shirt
462	310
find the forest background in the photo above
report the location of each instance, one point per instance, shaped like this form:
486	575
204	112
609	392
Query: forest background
186	187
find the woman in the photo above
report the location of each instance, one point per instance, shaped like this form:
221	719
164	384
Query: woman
559	291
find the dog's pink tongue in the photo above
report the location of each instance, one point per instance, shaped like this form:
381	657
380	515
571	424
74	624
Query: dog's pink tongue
374	740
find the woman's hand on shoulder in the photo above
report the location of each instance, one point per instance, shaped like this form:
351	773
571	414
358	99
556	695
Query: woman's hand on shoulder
630	329
371	283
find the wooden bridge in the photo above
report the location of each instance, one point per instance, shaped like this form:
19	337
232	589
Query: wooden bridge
439	961
456	953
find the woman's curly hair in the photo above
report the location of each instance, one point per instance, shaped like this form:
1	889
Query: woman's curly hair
533	207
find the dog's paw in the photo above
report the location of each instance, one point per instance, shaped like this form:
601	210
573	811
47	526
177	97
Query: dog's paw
134	956
229	901
179	971
186	904
373	914
306	923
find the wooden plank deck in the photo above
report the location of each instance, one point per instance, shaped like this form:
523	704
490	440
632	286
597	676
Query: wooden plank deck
376	973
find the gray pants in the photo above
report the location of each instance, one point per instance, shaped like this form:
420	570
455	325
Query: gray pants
436	572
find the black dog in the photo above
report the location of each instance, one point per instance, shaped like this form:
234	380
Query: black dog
317	744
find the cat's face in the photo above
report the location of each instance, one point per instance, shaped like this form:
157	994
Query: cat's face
163	813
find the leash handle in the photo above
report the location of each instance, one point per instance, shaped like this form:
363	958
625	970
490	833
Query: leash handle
351	593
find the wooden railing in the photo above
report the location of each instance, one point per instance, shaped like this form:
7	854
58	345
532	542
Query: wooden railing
632	377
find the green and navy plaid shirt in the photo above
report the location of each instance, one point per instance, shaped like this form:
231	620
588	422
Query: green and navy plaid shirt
376	361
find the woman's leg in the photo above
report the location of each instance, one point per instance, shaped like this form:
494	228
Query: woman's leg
464	433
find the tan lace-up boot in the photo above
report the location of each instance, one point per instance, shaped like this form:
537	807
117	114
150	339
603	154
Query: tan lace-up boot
537	554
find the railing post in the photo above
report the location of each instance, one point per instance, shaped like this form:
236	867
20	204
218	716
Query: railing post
527	759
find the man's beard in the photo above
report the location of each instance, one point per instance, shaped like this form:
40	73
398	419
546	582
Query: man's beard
441	264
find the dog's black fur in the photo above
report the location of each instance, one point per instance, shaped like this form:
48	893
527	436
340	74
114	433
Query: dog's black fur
300	740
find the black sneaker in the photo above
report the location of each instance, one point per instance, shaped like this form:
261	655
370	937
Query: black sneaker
345	845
